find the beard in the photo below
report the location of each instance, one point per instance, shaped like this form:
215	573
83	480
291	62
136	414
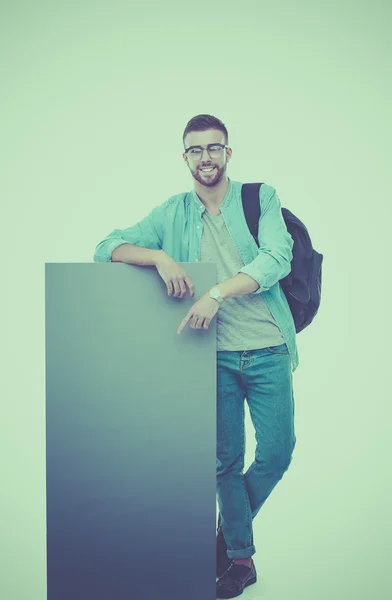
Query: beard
209	180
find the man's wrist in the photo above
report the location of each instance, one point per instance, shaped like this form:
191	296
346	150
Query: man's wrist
238	285
159	256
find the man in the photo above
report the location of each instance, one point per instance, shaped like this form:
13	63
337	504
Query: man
256	343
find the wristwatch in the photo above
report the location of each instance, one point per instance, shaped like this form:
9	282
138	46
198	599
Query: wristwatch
216	295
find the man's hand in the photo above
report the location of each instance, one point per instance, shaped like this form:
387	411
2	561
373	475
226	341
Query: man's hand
201	313
174	276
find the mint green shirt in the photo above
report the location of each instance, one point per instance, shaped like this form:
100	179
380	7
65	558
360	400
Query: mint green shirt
176	226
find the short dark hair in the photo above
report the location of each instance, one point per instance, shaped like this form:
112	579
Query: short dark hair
204	122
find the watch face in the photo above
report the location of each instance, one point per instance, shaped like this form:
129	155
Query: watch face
215	293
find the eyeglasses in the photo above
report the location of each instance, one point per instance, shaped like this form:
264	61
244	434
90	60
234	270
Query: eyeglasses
214	151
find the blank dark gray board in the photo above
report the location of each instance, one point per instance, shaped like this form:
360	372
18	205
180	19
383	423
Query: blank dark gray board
130	436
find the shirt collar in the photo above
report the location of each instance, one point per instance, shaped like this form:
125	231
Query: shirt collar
224	204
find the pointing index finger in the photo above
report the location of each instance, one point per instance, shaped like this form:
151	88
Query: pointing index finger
183	323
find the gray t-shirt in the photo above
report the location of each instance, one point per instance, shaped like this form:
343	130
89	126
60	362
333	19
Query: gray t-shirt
245	322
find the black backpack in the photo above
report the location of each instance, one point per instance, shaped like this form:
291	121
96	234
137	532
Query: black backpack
302	286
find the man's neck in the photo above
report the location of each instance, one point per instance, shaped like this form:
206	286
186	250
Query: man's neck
212	197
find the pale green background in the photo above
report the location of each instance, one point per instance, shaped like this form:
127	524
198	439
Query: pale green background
94	100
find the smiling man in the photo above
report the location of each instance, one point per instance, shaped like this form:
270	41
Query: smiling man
256	339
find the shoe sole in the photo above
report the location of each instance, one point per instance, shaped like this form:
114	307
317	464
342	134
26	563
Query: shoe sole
249	582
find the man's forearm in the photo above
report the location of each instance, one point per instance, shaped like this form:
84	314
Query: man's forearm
239	285
136	255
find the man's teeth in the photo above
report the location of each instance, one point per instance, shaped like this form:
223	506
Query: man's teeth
208	169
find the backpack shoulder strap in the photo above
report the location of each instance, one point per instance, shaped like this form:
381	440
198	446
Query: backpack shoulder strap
250	194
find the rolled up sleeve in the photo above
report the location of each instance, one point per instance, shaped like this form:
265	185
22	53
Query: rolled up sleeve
147	233
273	261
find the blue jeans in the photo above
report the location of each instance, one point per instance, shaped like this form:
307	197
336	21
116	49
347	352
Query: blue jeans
264	377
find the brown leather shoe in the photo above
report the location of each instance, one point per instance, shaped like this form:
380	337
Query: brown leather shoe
236	578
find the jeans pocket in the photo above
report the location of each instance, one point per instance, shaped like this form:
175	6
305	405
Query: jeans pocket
281	349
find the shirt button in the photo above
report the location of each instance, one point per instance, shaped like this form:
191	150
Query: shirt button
198	227
196	260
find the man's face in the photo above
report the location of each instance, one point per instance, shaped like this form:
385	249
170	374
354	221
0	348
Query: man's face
219	164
